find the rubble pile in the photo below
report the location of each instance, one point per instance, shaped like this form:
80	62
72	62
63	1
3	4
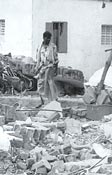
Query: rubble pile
91	95
54	142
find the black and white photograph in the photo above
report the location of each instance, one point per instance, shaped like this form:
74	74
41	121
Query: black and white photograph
55	87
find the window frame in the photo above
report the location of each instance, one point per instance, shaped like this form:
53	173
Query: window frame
106	34
59	35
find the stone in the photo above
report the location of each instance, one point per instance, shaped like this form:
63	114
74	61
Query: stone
8	128
54	117
21	165
17	142
110	159
66	149
55	152
101	151
50	158
40	164
23	154
22	115
59	166
70	158
30	162
37	153
107	129
61	126
50	109
10	113
41	170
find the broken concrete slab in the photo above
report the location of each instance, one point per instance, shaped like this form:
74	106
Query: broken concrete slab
50	109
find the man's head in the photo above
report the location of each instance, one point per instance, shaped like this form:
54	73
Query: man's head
46	37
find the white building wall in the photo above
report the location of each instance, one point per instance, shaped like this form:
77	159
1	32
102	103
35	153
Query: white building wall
18	27
84	18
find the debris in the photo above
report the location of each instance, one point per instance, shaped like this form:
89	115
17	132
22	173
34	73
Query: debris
4	141
54	105
89	97
107	128
59	144
103	98
40	164
107	118
101	151
73	126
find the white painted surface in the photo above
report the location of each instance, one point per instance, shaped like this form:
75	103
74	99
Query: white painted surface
84	18
18	31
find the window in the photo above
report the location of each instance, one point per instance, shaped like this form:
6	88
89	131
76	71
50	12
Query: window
59	35
2	27
106	34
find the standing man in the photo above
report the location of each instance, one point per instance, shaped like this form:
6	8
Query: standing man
47	61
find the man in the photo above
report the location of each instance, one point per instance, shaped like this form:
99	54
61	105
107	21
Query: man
47	61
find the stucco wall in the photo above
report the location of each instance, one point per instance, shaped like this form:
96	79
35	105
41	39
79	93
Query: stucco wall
18	26
84	18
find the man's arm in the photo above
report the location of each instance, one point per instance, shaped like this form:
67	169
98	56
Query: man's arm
38	60
56	61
